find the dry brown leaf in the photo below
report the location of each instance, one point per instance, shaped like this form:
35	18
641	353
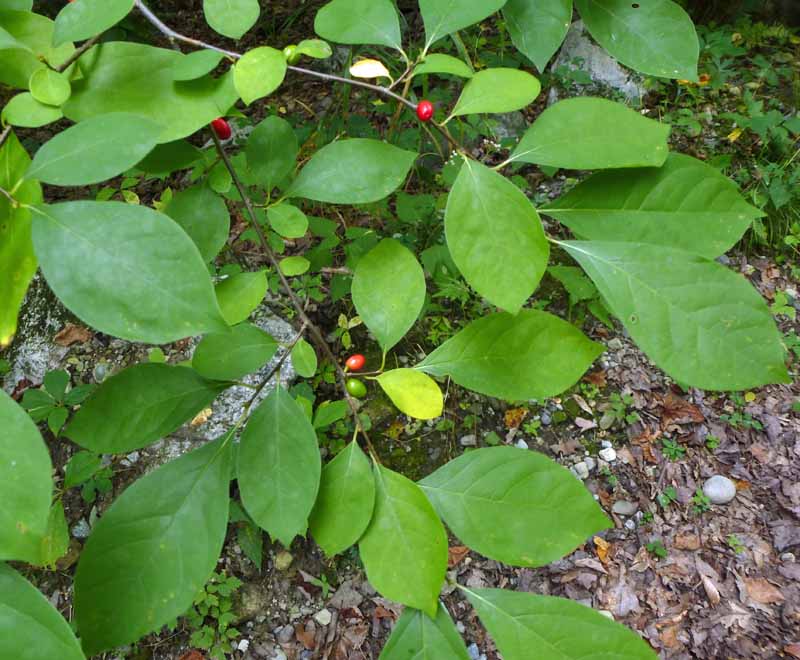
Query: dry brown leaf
711	590
585	424
602	547
679	411
793	650
305	634
582	404
72	334
515	416
456	554
201	418
596	378
192	655
762	591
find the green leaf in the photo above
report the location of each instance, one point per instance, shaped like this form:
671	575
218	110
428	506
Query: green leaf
514	505
443	17
34	628
279	467
231	18
495	236
259	73
533	355
150	554
232	355
497	90
345	502
316	48
593	133
389	291
55	541
49	87
136	78
34	34
656	37
220	179
196	65
240	295
271	151
17	259
404	549
204	216
94	150
700	322
578	286
353	171
289	221
686	204
56	382
329	412
304	359
170	157
414	393
25	111
126	270
56	420
81	467
417	636
139	405
25	484
84	19
538	28
359	22
440	63
251	540
17	5
558	628
294	266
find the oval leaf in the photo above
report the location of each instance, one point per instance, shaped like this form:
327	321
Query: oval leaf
232	355
656	37
279	467
136	78
196	65
289	221
417	636
259	73
49	87
563	629
685	204
294	266
354	171
497	90
592	133
404	549
414	393
370	69
240	295
316	48
304	359
94	150
271	151
150	554
495	236
231	18
204	216
31	622
538	28
25	111
139	405
443	17
440	63
345	502
84	19
359	22
26	485
533	355
700	322
389	291
126	270
514	505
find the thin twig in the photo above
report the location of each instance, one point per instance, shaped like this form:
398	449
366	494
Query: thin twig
4	135
86	45
316	334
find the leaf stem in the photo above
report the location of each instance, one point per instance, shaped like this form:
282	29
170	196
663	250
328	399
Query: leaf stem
86	45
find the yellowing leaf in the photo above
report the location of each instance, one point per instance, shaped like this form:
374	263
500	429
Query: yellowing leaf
735	134
414	393
369	69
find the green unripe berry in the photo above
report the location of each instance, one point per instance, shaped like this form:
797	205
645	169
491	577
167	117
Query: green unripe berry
356	388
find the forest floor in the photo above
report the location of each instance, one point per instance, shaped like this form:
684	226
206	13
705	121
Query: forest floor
697	580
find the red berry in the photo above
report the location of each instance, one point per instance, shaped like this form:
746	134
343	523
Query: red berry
425	110
222	128
355	362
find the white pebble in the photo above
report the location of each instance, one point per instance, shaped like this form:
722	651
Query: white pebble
719	489
323	617
609	454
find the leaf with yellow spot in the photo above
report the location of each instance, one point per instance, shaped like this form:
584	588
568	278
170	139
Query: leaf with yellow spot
413	392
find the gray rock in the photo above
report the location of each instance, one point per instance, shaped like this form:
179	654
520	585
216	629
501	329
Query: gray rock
510	125
250	601
719	489
468	441
323	617
286	634
624	508
615	344
590	463
609	454
580	52
81	529
580	470
521	444
546	419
